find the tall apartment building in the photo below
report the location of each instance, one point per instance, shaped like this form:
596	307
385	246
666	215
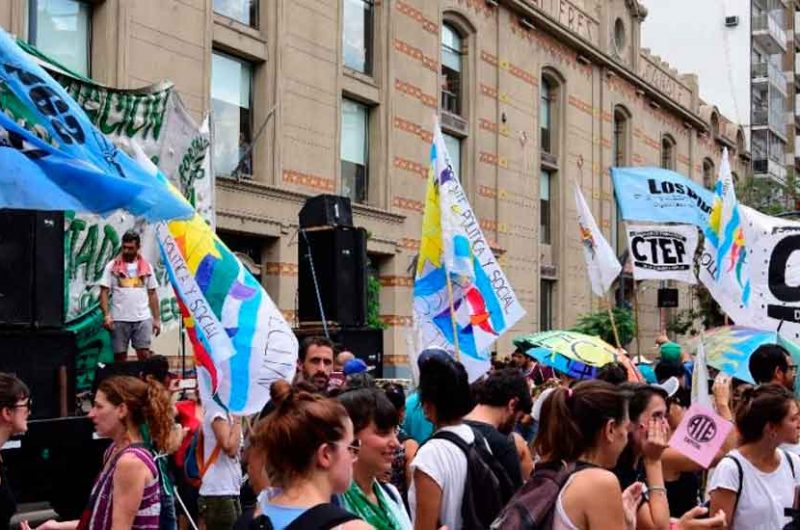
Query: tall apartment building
761	93
338	96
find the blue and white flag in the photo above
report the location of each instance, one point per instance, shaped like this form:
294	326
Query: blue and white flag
479	304
53	158
660	196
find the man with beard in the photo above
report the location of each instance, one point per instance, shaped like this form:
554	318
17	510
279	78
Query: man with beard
535	373
502	398
315	362
132	316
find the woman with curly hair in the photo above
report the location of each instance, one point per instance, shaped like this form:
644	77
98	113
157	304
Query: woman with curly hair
126	493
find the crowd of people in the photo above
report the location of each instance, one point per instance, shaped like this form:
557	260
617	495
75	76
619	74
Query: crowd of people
522	448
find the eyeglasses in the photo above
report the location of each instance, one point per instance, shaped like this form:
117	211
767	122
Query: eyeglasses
792	368
354	448
27	405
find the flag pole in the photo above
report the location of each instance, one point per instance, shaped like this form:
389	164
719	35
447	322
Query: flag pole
613	322
452	314
636	321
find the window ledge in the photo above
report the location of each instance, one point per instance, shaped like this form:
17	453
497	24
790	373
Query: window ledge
549	161
359	76
378	213
360	87
548	272
238	27
454	123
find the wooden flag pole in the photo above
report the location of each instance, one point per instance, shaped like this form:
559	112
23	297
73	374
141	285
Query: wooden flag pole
613	322
636	321
452	314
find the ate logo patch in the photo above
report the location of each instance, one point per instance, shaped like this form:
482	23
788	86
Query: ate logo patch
701	428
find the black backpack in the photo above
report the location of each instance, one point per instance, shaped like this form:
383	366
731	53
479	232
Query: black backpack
320	517
485	493
533	506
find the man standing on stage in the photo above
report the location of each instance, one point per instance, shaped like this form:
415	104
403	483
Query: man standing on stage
134	316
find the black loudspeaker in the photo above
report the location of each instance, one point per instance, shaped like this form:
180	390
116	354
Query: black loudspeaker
326	210
667	297
45	361
50	455
339	259
365	343
31	268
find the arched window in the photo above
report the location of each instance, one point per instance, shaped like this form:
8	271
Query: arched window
452	69
708	173
714	125
550	89
667	152
620	158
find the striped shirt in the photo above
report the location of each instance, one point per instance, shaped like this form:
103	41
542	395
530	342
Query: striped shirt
101	501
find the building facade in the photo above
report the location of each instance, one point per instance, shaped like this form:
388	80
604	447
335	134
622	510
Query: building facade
761	94
339	96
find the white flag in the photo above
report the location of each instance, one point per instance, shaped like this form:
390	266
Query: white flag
601	262
700	393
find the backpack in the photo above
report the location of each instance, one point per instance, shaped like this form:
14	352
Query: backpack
483	495
320	517
533	506
194	468
741	475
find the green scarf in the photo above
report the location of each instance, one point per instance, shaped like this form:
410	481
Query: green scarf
380	516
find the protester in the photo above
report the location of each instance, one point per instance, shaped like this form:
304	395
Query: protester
614	373
502	398
308	448
536	373
440	466
374	422
415	424
15	407
641	459
134	315
315	362
341	359
218	505
755	483
126	493
771	363
401	465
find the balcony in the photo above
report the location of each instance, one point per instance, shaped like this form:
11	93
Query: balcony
766	72
768	168
797	30
768	34
771	118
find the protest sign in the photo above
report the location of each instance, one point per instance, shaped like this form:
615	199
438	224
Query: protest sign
660	196
700	434
663	252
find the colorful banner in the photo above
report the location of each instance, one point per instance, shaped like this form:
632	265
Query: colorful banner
241	342
723	263
663	252
53	158
601	262
660	196
468	315
774	272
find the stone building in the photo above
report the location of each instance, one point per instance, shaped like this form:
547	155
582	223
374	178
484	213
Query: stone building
340	97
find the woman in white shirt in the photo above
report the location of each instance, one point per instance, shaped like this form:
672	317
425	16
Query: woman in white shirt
757	481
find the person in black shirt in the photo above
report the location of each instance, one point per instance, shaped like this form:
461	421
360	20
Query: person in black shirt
502	398
15	407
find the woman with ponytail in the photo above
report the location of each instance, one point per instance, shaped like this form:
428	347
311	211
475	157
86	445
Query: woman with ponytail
126	493
755	483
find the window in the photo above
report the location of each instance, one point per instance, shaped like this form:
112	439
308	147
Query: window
621	119
546	304
62	30
453	145
668	153
546	115
452	67
708	173
357	35
244	11
231	101
545	215
355	150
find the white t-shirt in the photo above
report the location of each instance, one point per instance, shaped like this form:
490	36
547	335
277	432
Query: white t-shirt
128	295
224	476
764	495
446	464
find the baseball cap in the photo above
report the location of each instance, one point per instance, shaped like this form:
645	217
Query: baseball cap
355	366
670	351
670	386
430	353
